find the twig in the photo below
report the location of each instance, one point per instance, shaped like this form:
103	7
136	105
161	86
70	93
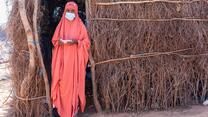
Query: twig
6	99
189	56
28	99
150	20
3	62
142	56
147	1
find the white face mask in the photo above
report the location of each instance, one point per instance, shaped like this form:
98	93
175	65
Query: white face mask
70	16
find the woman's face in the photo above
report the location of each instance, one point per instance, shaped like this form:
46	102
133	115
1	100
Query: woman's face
70	14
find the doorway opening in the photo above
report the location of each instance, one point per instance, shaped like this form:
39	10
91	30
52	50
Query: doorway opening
52	11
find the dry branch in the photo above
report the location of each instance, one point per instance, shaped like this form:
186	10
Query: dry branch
29	34
151	20
42	66
147	1
95	96
26	68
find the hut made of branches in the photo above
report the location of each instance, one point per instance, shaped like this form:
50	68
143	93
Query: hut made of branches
145	54
149	54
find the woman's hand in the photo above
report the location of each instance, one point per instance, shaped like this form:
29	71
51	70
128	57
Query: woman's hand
60	42
72	42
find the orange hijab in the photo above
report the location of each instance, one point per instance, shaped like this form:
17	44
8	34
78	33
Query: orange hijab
68	29
68	65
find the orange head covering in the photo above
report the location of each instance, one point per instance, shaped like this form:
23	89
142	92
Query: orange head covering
71	6
68	29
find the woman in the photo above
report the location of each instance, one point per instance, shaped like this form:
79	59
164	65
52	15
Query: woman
70	56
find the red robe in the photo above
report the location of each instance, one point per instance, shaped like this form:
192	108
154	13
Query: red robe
68	65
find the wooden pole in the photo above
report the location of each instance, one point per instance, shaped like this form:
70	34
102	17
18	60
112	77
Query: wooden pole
147	1
29	35
95	97
94	85
146	55
150	20
47	88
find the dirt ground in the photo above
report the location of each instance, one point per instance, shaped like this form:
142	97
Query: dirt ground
194	111
5	90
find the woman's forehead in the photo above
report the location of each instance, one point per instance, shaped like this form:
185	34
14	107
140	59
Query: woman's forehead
71	7
70	10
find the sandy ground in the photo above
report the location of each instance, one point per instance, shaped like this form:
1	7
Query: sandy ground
194	111
5	87
5	90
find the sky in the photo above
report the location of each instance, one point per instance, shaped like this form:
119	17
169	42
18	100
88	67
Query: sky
4	12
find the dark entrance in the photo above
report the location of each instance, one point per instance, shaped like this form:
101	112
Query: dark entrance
52	11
